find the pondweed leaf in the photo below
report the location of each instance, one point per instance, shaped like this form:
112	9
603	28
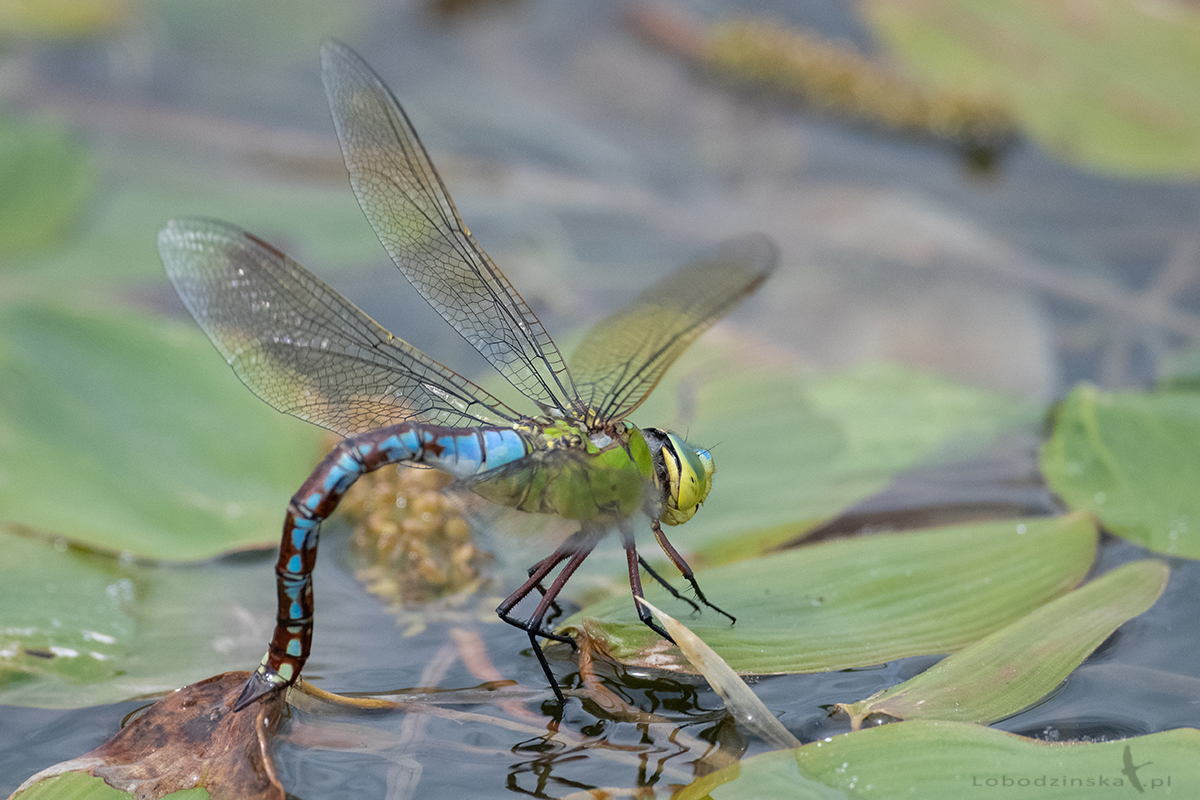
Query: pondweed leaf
1133	460
1022	662
954	760
864	601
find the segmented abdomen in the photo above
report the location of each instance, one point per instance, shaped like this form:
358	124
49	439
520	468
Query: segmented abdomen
461	452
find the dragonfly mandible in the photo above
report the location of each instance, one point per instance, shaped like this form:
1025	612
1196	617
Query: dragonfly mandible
309	352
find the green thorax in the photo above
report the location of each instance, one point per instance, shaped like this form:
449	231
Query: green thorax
576	473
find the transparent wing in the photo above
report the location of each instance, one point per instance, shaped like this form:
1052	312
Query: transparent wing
301	346
625	355
406	203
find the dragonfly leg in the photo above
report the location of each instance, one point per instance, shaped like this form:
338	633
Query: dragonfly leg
534	626
583	540
684	569
573	551
663	582
635	582
555	608
541	657
535	622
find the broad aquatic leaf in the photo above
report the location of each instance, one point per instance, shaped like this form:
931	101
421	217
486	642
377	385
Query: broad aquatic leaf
770	776
190	740
1110	85
319	220
955	760
858	602
62	612
793	451
81	786
1022	662
80	628
47	179
1133	460
127	433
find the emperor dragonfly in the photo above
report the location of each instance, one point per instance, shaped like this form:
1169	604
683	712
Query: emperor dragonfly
309	352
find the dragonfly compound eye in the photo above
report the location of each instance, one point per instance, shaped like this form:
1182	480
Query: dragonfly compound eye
689	479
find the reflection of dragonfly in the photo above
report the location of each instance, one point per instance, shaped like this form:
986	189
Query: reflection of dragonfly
308	351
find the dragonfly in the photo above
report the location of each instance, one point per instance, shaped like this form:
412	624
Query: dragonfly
309	352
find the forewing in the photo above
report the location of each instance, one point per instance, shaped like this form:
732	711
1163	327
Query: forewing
406	203
301	346
625	355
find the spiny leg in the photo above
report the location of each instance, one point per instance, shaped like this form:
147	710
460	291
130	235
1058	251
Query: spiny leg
555	611
535	622
555	608
574	550
635	581
534	626
538	573
684	569
663	582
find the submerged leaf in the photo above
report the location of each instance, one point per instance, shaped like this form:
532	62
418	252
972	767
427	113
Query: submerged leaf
190	739
1133	460
859	602
1019	664
955	760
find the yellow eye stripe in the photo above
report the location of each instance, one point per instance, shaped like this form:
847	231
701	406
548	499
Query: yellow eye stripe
689	479
684	471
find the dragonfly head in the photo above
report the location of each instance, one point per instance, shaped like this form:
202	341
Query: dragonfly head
684	472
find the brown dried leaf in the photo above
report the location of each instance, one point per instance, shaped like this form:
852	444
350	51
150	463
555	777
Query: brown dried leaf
191	738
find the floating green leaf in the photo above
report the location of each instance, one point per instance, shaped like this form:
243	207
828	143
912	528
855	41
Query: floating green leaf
1109	84
79	628
47	178
71	786
82	786
857	602
128	433
1022	662
810	447
955	760
62	612
1133	460
146	190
